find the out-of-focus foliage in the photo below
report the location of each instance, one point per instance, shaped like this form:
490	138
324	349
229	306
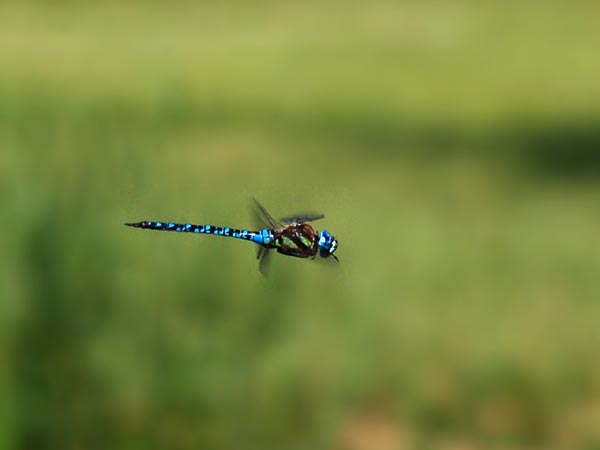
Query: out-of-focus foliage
454	147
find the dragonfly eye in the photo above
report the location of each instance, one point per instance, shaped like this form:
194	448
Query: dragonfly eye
327	244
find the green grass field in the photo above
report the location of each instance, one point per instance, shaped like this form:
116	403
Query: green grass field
454	148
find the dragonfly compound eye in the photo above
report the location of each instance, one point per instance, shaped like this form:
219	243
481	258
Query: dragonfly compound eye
327	244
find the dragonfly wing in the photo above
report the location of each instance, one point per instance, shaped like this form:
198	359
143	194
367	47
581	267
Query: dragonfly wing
301	218
264	256
263	217
261	251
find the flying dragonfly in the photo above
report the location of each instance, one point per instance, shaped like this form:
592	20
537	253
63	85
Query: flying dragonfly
291	236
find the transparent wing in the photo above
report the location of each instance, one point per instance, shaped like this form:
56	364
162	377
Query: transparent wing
263	218
264	257
304	217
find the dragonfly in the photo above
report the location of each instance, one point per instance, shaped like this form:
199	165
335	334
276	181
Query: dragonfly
291	236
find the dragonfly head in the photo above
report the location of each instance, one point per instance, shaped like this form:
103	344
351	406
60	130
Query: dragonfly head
327	245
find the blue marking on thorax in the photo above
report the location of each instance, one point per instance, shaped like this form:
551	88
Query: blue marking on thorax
158	224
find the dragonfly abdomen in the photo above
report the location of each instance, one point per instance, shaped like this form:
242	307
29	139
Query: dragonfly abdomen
262	237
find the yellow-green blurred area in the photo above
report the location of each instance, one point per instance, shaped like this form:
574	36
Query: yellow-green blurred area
454	148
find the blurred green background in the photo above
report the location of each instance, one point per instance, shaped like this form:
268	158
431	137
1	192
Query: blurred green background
454	147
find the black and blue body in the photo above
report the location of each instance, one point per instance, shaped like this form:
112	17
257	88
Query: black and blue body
291	236
261	237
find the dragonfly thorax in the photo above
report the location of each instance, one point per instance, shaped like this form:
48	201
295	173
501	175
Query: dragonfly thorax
327	244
